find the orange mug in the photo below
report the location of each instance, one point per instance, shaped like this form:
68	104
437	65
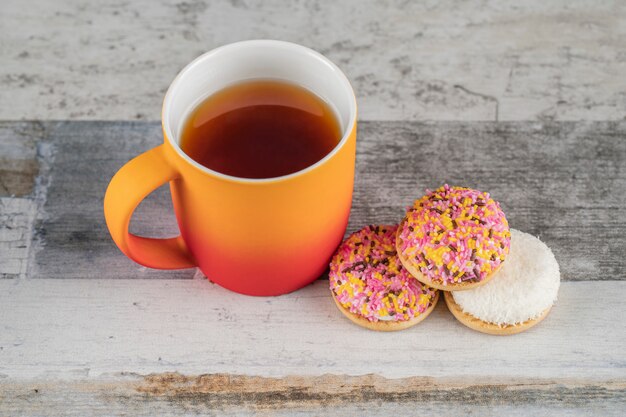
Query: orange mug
253	236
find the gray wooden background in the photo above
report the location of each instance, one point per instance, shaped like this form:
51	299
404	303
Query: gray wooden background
524	99
408	60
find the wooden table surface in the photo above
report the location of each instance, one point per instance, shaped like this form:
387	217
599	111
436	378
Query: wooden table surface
524	99
82	322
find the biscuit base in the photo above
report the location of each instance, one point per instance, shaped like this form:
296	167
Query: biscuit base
386	326
462	286
475	323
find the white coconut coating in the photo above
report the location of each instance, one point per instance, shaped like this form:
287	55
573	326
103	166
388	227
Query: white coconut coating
525	286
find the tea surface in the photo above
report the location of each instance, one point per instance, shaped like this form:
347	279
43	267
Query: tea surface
260	129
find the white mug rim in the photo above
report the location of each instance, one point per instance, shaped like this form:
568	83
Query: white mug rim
176	83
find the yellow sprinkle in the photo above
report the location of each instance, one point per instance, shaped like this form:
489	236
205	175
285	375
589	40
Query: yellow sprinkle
424	299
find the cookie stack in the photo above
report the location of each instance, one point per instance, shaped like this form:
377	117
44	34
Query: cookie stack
457	240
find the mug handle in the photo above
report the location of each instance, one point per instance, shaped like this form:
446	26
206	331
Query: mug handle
131	184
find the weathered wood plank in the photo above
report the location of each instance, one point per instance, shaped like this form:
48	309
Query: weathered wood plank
220	394
70	237
18	157
16	221
76	329
407	60
19	168
565	182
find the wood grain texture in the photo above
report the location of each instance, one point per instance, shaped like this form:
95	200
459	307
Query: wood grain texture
408	60
221	394
16	223
108	346
77	329
564	182
70	236
18	158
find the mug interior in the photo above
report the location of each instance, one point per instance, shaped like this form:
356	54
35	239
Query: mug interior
258	59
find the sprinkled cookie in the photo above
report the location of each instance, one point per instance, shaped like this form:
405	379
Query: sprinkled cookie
454	238
372	288
521	295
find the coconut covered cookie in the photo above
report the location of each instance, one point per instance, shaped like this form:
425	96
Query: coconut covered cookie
372	288
519	297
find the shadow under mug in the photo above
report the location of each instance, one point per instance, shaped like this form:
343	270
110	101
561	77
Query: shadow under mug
253	236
